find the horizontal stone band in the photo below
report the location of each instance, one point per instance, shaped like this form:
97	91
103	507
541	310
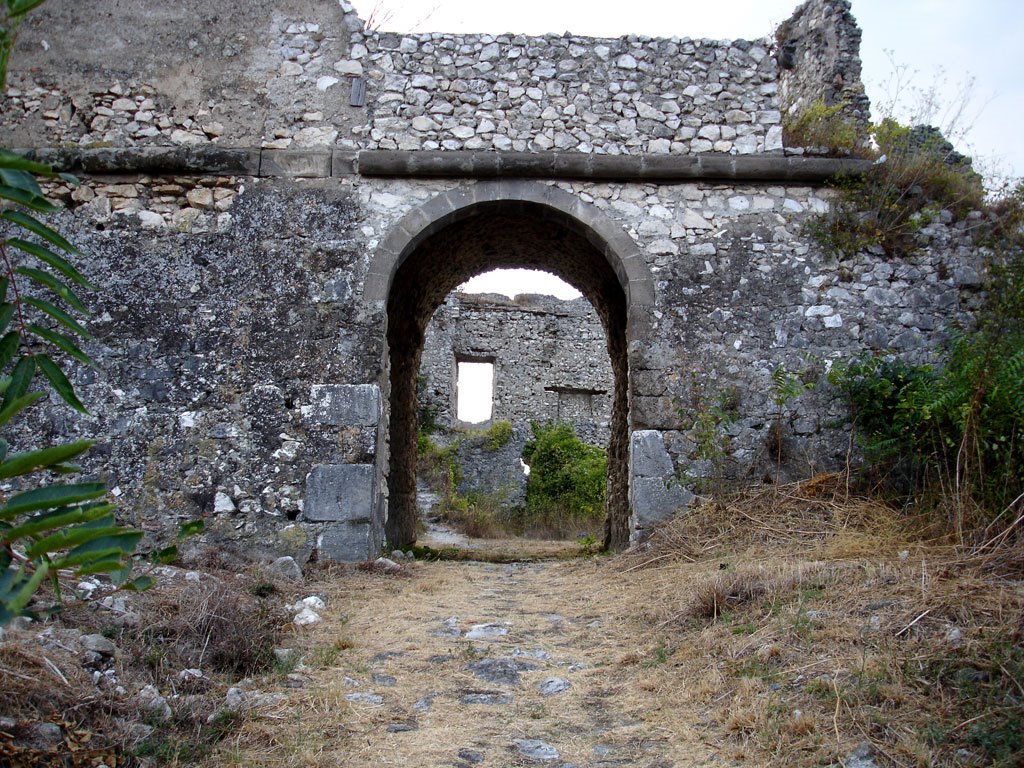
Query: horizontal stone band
324	163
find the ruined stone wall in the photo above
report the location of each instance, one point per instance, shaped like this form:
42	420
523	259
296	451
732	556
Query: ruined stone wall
551	365
239	366
818	54
308	74
243	373
550	360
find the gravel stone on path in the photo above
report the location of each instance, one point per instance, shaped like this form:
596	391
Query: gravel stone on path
365	698
535	749
553	685
486	697
486	631
449	628
425	702
500	671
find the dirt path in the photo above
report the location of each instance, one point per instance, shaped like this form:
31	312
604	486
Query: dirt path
466	664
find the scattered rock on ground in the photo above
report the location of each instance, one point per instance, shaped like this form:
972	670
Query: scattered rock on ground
552	685
535	749
486	631
500	671
286	568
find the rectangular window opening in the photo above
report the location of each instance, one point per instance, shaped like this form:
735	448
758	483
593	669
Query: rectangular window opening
475	391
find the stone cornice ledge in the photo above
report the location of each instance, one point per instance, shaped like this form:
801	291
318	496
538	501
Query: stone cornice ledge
324	163
578	165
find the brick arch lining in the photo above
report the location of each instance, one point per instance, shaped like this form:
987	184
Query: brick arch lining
466	232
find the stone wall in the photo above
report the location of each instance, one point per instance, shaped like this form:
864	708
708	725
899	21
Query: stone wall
818	54
551	365
308	74
550	360
262	306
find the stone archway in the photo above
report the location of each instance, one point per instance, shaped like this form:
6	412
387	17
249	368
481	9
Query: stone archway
469	230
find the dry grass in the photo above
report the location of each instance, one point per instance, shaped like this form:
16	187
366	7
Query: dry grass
215	623
783	629
813	624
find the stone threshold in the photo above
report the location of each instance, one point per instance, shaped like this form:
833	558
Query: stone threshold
327	163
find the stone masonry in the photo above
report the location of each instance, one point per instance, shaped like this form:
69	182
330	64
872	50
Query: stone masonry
275	200
550	363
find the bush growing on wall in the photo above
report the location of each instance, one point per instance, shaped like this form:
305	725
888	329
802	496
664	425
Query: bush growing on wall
567	478
960	426
917	173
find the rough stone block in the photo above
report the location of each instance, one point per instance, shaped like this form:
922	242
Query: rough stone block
655	499
347	543
343	163
295	163
344	405
339	492
648	456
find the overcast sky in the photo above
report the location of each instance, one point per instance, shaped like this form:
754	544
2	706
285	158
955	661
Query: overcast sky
934	43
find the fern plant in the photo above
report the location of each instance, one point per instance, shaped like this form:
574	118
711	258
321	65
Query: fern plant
46	526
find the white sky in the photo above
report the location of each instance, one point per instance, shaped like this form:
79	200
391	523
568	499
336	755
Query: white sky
934	43
475	388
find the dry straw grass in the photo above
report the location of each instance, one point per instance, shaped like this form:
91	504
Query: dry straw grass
799	622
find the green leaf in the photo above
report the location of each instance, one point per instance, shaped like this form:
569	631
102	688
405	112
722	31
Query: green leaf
21	378
9	347
6	313
140	584
29	200
21	7
165	555
190	528
33	224
55	260
59	315
77	536
4	284
101	548
60	383
65	469
18	600
55	285
62	342
109	565
32	461
50	496
26	182
17	405
16	162
56	518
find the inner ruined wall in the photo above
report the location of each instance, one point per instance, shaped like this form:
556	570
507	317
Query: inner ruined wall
550	366
550	360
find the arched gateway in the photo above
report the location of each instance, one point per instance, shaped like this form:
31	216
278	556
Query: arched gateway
471	229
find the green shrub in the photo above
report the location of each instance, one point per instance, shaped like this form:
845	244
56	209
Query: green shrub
826	127
498	435
567	477
917	173
957	428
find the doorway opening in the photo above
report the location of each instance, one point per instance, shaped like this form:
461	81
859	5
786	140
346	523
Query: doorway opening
502	224
544	399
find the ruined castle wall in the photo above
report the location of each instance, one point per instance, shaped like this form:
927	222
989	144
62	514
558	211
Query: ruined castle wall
242	373
550	360
818	54
308	74
551	365
238	363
